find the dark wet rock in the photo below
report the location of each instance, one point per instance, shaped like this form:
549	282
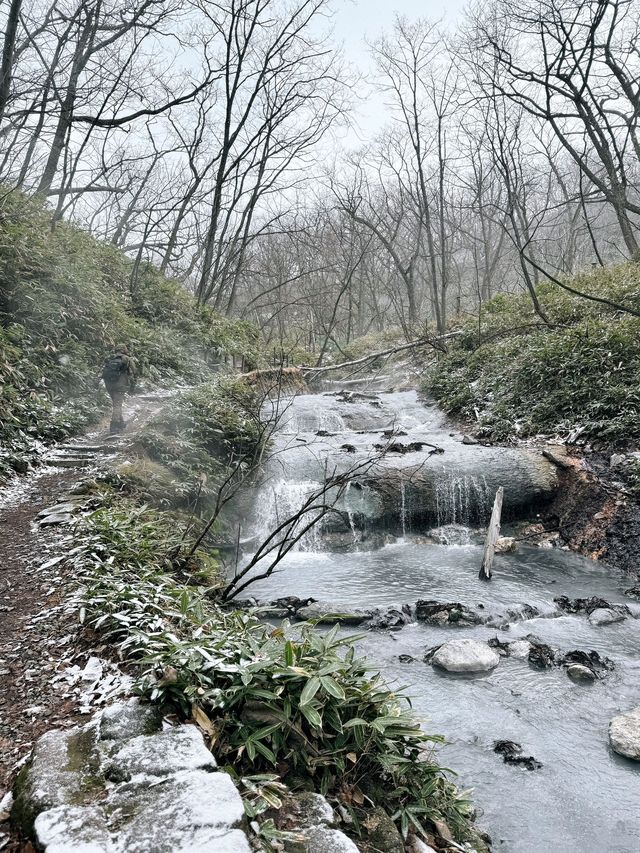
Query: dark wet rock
593	660
624	734
348	448
329	613
514	649
392	433
511	753
446	613
346	540
406	659
19	465
514	614
583	674
410	447
588	605
322	433
542	656
469	439
633	592
391	617
281	608
382	833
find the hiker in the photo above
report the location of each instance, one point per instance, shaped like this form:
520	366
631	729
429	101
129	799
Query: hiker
119	378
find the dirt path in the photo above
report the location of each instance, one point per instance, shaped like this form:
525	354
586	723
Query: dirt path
41	656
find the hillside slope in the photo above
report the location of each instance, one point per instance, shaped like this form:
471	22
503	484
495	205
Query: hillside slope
65	300
517	377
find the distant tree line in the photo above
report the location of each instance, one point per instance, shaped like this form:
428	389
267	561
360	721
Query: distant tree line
209	139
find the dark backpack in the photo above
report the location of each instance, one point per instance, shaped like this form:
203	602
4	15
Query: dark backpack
114	368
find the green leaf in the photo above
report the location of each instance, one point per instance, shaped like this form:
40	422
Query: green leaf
309	690
312	716
289	653
332	687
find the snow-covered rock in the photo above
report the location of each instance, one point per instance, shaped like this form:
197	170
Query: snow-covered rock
121	785
462	655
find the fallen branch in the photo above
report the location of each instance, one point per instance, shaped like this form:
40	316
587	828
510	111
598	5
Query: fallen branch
436	343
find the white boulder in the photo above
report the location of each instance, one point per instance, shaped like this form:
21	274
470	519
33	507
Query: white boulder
605	616
462	655
624	734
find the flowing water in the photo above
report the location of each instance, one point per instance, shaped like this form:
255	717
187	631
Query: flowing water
585	798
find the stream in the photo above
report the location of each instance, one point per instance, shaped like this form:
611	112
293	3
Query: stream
584	798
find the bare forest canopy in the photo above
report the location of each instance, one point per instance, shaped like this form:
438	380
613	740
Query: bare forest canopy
213	139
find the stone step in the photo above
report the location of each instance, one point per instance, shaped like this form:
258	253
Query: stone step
69	461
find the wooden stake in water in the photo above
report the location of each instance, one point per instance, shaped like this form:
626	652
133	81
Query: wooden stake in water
492	537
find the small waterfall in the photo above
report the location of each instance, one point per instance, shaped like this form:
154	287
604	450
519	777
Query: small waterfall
350	513
281	500
461	499
403	509
297	419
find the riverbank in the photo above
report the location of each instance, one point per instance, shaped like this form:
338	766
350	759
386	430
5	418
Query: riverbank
147	596
514	379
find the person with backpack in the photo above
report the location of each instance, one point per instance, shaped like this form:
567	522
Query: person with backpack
119	378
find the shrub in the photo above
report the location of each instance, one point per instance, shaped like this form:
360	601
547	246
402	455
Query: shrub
524	378
301	705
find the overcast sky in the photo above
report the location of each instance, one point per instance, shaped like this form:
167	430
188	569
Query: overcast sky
357	21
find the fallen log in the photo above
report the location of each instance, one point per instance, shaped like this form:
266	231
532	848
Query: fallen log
492	537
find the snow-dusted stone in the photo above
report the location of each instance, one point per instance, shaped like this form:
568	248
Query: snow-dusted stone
417	845
309	809
180	748
74	829
605	616
64	770
188	811
320	839
462	655
172	801
519	649
578	672
624	734
124	721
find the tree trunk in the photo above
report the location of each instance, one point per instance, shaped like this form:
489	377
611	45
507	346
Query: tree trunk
492	537
7	54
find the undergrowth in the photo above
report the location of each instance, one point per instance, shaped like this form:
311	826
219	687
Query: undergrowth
183	456
517	377
66	299
294	706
